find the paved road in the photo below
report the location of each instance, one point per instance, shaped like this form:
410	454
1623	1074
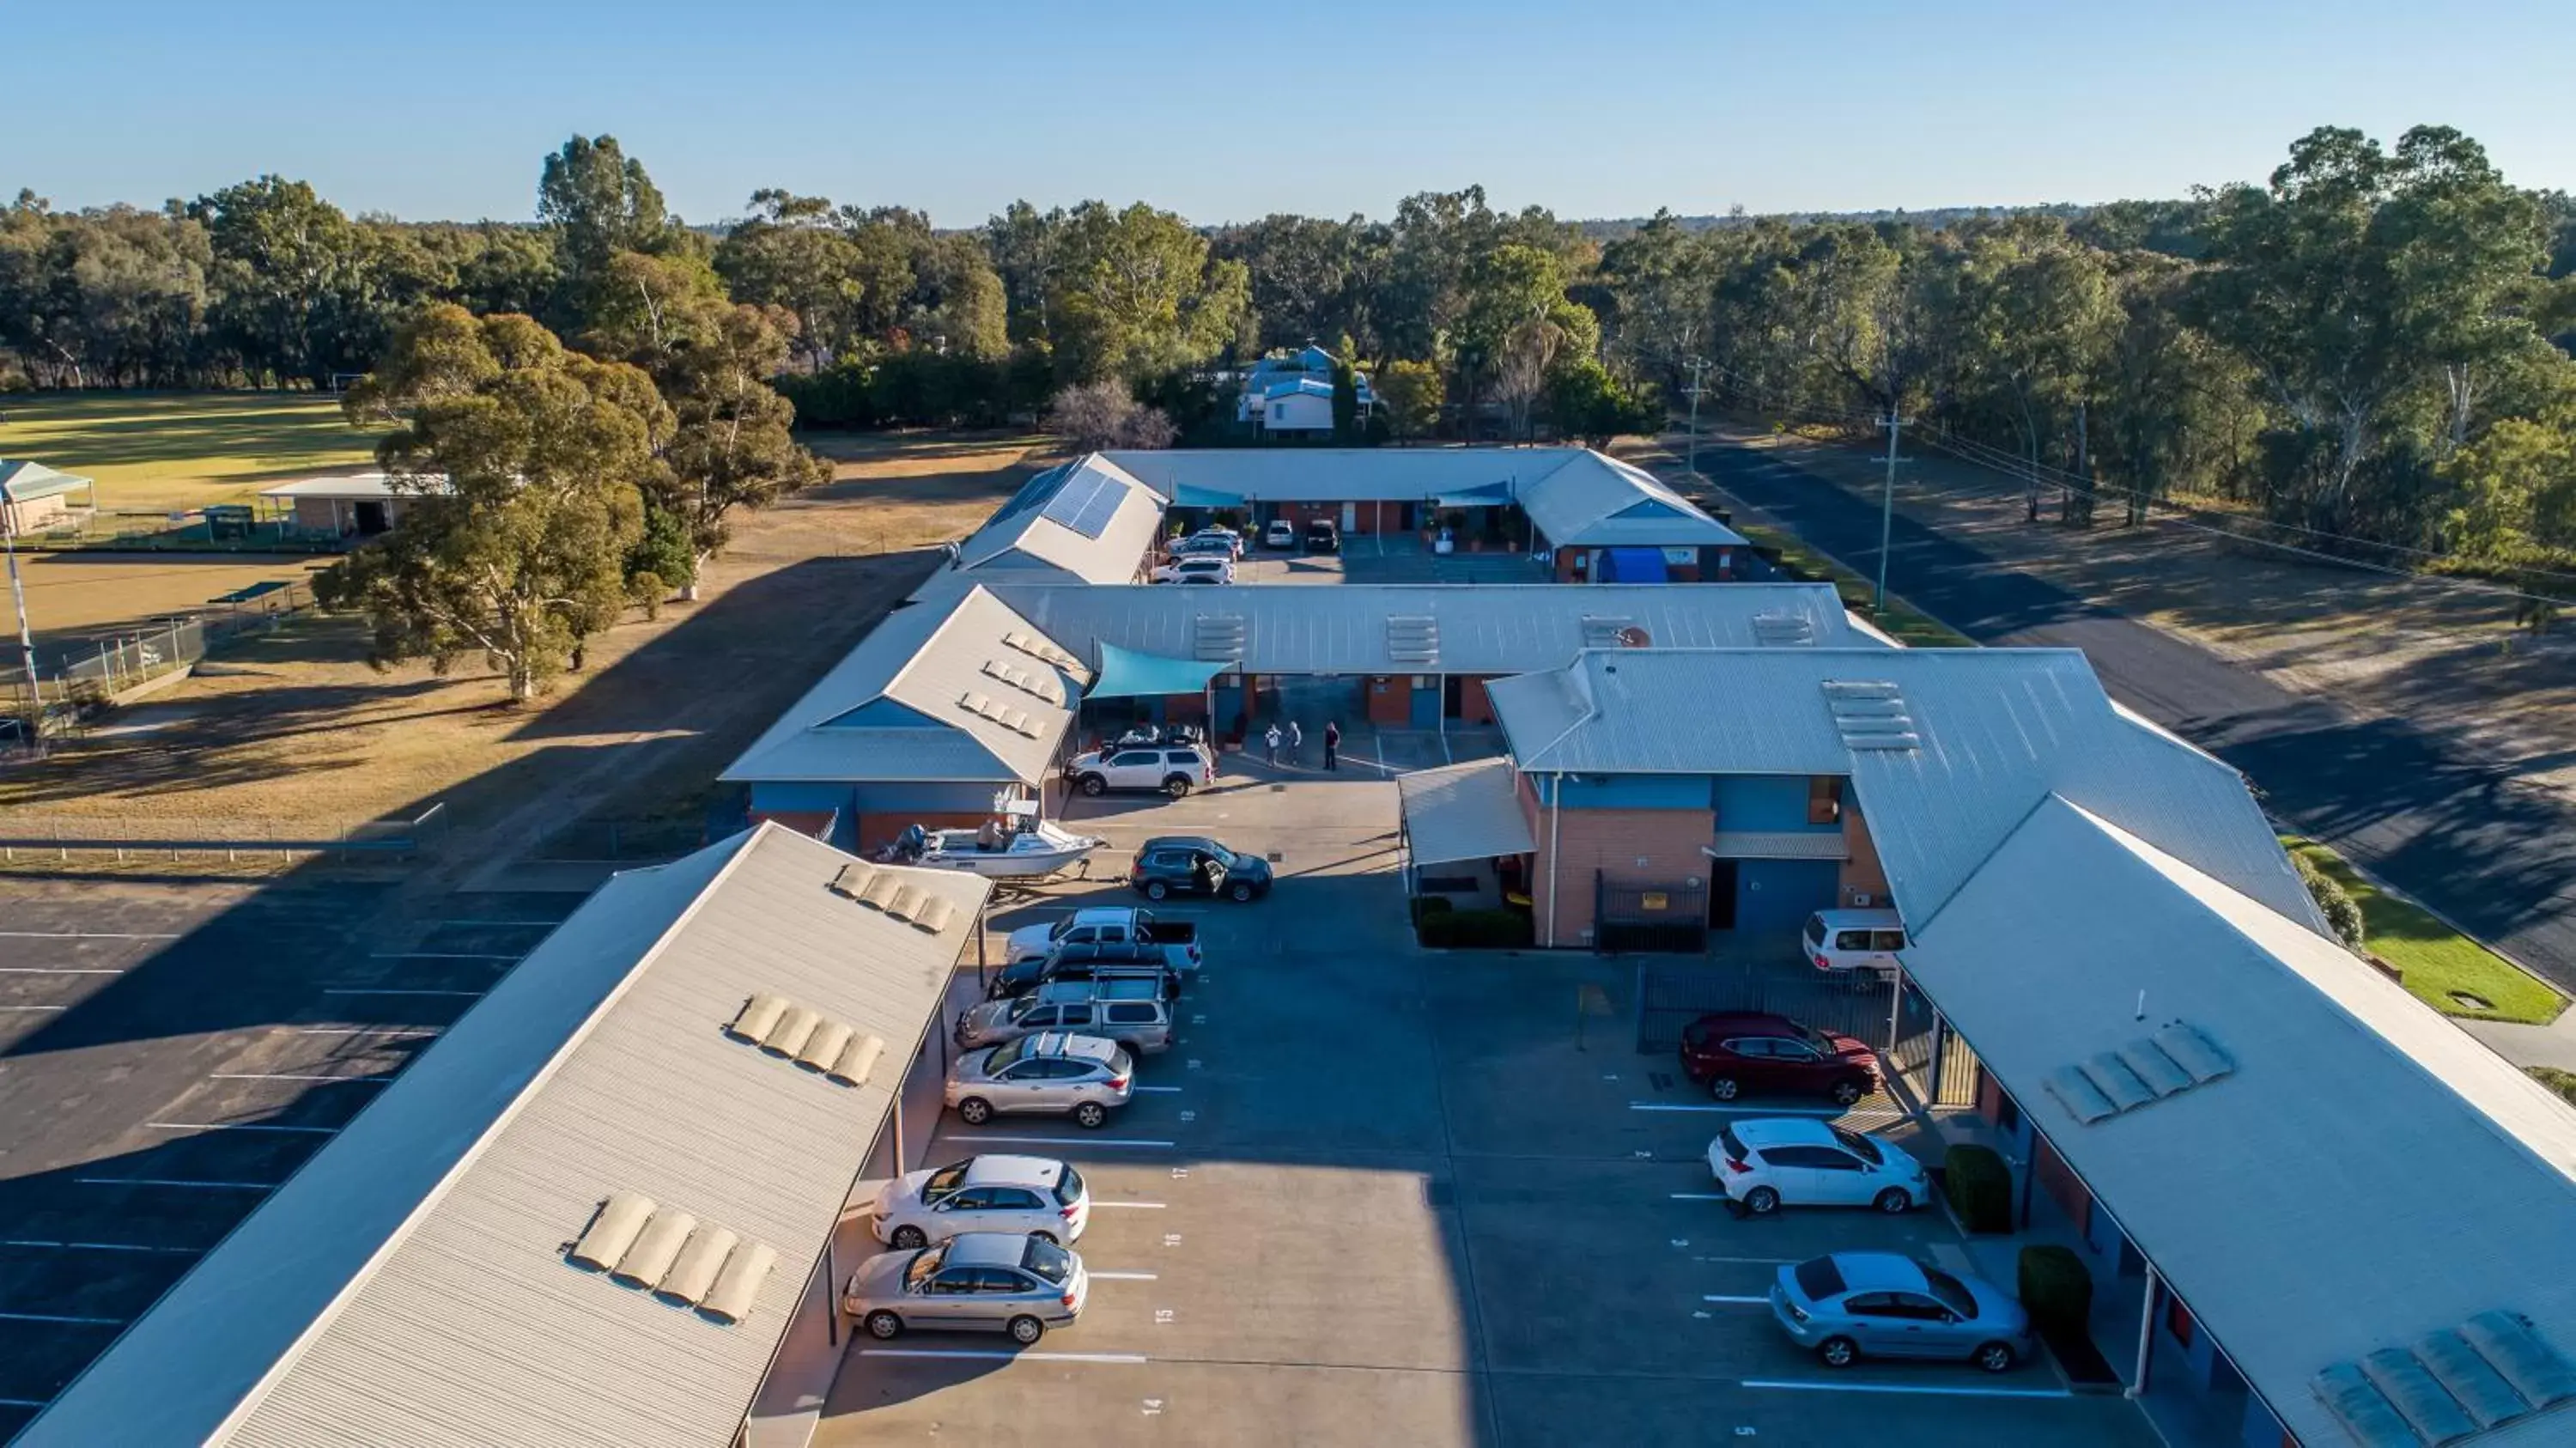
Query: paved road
2414	806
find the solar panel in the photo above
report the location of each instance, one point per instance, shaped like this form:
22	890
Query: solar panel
1036	490
1074	502
1095	514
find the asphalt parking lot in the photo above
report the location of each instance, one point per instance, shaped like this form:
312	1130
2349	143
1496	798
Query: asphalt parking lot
1381	1195
171	1050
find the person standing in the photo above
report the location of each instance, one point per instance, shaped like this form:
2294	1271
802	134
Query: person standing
1296	743
1271	740
1332	745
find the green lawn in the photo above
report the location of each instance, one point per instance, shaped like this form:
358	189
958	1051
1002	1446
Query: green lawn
163	451
1910	625
2436	959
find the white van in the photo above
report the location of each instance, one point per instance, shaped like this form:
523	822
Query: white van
1840	942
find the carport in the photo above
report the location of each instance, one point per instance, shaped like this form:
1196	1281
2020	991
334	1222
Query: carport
1466	836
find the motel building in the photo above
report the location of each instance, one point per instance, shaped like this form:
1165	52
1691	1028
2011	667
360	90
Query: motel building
2260	1147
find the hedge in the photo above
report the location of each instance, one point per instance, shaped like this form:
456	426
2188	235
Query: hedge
1486	929
1979	1187
2056	1290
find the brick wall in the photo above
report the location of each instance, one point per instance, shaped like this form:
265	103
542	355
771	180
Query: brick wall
1625	844
1862	873
1390	699
1473	705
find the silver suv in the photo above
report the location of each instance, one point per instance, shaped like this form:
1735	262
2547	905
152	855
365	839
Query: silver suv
1130	1011
1081	1076
977	1282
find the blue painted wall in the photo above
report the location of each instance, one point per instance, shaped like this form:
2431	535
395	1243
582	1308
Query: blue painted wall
804	796
1645	791
926	798
1765	802
1776	896
2262	1430
1426	704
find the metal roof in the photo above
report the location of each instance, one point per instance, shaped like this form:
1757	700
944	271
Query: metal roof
410	1284
1486	629
22	481
2442	1178
902	705
1466	811
351	487
1089	517
1594	500
1947	750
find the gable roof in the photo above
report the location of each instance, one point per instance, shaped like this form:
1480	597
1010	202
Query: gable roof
2351	1114
899	706
411	1282
1490	629
1298	386
1596	501
1089	518
1947	750
22	481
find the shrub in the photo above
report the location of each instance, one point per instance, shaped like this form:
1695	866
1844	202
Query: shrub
1440	924
2055	1289
1979	1187
2342	915
1427	905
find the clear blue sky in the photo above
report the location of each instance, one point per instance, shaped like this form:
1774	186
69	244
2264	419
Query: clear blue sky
956	107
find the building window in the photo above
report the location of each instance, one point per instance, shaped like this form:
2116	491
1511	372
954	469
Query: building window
1824	800
2178	1320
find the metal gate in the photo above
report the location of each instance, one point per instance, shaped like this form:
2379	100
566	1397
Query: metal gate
1672	995
1670	917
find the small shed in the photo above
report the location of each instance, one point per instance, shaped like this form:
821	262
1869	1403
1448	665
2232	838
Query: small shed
351	505
37	499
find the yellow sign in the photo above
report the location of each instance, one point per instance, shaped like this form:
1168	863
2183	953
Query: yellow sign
1654	900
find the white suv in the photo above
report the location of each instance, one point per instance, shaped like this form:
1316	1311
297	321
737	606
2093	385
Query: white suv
1147	766
1028	1195
1804	1162
1197	568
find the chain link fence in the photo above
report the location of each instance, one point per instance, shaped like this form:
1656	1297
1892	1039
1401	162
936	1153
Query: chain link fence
45	839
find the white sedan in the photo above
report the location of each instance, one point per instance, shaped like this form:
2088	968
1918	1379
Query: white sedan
1028	1195
1800	1161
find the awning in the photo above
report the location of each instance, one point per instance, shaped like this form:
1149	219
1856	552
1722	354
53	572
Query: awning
1491	495
1778	845
1634	565
1191	495
1464	812
1127	674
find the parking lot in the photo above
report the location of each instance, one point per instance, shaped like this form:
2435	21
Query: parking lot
1386	558
171	1050
1377	1194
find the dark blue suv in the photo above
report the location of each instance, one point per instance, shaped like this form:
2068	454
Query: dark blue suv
1193	865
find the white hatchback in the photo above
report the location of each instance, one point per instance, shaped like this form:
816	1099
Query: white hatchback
1800	1161
1029	1195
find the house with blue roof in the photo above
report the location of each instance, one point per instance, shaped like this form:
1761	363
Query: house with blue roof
1293	394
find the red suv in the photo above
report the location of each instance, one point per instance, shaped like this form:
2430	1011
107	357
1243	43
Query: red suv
1737	1051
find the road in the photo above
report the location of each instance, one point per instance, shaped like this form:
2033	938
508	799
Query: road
2414	806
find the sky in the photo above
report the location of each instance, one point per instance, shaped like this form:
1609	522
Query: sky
1228	113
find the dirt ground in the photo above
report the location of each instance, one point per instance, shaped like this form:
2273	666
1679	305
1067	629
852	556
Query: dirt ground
87	594
158	451
291	733
2398	647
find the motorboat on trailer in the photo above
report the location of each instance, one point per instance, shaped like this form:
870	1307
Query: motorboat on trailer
1014	845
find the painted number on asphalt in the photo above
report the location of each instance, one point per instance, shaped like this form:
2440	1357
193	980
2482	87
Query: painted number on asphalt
1171	1239
1188	1116
1162	1317
1154	1409
1194	1063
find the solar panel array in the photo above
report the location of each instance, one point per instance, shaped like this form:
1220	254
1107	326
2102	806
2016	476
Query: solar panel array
1036	490
1086	503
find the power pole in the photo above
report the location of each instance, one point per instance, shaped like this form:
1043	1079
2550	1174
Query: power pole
26	638
1887	503
1698	366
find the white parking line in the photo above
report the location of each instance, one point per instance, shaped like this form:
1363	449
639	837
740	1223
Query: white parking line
291	1076
78	935
58	970
437	955
1141	1206
176	1182
24	1402
1736	1110
1161	1090
56	1317
1717	1297
237	1126
984	1355
1123	1277
1810	1386
1075	1141
387	991
1699	1196
489	924
99	1247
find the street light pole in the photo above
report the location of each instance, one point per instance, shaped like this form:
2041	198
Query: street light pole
1698	367
26	637
1887	504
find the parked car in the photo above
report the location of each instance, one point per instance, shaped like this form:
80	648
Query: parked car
1027	1195
1853	1305
1799	1161
1322	536
1083	1077
1737	1051
1173	771
976	1282
1216	534
1852	942
1195	865
1281	535
1132	1012
1195	568
1088	962
1107	925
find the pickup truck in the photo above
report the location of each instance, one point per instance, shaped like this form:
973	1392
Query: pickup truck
1108	925
1086	962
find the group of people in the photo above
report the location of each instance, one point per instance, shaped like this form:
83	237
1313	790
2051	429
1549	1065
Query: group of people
1295	738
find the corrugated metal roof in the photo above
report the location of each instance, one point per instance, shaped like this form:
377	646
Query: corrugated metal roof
1466	811
1597	501
929	657
1487	629
348	486
1024	534
22	481
409	1285
1988	734
2444	1180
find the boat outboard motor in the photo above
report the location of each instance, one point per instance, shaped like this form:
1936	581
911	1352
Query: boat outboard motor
908	846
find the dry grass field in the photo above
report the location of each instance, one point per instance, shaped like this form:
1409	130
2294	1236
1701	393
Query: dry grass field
293	732
165	451
83	594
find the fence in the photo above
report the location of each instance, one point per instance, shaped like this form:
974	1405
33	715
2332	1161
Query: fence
58	839
1669	916
85	673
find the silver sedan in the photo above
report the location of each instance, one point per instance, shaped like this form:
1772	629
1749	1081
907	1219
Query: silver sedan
1853	1305
974	1282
